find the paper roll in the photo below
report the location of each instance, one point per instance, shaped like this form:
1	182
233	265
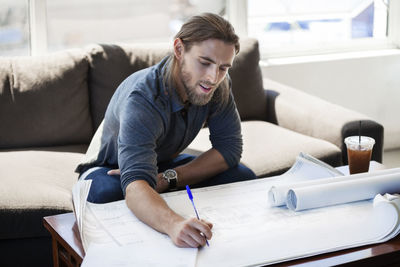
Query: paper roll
344	191
277	195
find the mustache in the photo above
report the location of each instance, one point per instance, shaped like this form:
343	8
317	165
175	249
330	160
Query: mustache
207	83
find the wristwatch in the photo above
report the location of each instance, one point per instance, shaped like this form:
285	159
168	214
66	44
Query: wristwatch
172	178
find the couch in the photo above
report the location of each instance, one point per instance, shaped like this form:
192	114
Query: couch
50	107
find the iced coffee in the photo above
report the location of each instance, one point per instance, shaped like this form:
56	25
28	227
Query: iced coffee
359	150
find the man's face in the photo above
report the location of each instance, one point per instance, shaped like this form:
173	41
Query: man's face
203	68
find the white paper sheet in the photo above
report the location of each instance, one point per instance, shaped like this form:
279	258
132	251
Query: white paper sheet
383	207
89	228
124	227
80	191
113	236
132	255
244	225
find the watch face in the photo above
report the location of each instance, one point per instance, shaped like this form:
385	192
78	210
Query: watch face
172	177
170	174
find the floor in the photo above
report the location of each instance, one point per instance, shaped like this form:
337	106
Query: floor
391	158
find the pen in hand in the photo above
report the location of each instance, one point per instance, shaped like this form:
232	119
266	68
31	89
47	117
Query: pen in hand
194	207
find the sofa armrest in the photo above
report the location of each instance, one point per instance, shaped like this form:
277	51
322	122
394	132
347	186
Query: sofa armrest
313	116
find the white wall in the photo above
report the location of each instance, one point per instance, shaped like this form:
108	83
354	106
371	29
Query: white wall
370	85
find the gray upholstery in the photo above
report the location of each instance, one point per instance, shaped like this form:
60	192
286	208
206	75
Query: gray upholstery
110	65
44	101
4	80
247	83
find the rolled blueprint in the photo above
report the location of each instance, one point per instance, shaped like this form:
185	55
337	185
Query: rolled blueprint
355	188
306	168
277	195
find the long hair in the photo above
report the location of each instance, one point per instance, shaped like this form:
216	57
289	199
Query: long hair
201	28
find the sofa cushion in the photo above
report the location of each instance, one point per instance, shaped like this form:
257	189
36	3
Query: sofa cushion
35	184
44	101
4	76
110	65
247	82
270	150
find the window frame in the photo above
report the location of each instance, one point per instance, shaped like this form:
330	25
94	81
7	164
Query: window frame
37	27
391	42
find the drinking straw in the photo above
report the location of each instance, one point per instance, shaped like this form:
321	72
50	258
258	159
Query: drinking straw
359	135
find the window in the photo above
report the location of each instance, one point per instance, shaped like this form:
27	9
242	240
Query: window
39	26
283	27
76	23
14	28
290	27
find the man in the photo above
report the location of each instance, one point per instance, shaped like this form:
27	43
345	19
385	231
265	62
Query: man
155	114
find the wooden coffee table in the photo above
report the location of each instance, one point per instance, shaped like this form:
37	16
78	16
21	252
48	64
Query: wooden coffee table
67	245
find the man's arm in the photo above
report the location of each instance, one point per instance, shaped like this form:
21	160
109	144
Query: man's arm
226	139
208	164
225	132
136	158
151	209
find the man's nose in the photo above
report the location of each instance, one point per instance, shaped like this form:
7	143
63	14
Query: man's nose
212	75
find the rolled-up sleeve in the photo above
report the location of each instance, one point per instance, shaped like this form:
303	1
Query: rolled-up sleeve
140	127
225	132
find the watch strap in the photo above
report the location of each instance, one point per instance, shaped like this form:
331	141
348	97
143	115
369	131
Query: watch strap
172	178
172	183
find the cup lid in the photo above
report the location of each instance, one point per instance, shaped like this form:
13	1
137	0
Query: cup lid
355	140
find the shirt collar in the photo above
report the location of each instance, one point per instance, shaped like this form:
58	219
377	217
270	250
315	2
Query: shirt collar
177	105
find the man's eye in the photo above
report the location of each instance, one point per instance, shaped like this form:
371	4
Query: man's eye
205	63
223	68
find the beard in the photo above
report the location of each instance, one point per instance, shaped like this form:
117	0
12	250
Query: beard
190	90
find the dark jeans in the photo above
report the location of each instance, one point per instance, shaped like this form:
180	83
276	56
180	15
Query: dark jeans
107	188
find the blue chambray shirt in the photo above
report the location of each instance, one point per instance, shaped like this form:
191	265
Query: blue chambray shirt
144	125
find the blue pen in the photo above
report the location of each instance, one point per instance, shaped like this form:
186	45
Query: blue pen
194	207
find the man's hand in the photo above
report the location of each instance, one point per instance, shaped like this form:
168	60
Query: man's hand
191	233
114	172
151	208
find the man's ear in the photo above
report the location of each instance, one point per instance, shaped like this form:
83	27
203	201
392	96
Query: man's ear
179	48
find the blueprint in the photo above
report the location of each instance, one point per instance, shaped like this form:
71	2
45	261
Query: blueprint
247	231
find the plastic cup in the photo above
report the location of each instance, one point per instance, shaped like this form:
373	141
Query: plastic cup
359	153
